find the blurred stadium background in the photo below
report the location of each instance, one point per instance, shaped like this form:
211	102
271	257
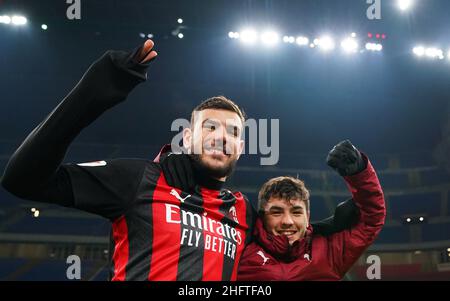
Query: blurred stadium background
393	104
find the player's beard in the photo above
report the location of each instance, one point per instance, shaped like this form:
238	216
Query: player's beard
217	173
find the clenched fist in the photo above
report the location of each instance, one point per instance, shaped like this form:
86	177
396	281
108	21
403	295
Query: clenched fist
346	159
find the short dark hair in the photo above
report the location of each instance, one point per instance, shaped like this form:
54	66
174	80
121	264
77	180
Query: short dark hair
285	188
219	103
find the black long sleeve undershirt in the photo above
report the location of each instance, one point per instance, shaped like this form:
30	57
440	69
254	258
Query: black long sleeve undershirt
34	171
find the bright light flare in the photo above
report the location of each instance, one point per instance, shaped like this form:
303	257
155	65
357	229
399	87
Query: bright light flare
248	36
404	4
349	45
19	20
374	47
270	38
302	41
5	19
326	43
419	51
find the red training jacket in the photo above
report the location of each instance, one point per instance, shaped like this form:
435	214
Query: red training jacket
317	257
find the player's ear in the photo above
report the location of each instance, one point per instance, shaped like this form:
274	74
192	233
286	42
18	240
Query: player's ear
241	147
187	139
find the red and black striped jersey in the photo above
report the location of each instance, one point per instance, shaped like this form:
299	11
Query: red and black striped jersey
159	232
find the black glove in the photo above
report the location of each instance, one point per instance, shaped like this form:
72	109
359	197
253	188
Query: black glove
345	216
346	159
178	171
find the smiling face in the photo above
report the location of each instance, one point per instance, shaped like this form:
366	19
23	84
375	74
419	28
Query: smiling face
286	217
214	140
283	204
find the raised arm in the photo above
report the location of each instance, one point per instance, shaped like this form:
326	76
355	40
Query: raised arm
34	171
362	181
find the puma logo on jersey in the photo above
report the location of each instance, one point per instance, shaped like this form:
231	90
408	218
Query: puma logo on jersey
175	194
260	253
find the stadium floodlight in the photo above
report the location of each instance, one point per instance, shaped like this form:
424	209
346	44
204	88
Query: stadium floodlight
180	21
349	45
374	47
5	19
248	36
302	41
180	35
44	26
421	219
269	38
326	43
18	20
408	220
289	39
232	35
353	35
434	53
35	212
419	51
404	4
431	52
142	35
